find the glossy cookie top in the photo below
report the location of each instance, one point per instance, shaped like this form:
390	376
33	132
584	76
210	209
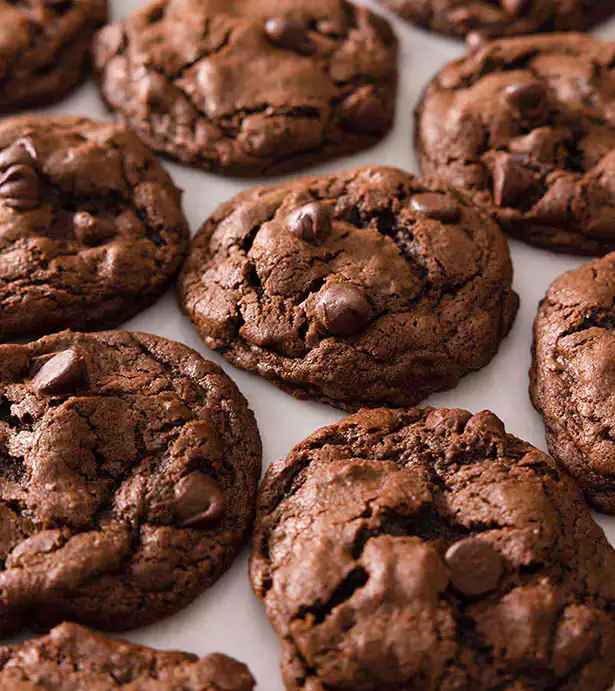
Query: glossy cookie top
356	289
430	550
129	473
251	88
45	48
526	126
91	226
72	658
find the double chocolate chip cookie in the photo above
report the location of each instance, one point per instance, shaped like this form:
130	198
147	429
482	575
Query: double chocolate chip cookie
251	88
431	550
526	126
45	48
355	289
129	469
72	658
502	17
91	226
573	376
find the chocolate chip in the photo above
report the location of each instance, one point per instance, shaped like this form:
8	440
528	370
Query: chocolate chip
20	187
475	567
311	222
511	180
290	34
434	205
199	501
344	310
20	152
530	100
363	111
90	230
64	373
475	40
514	7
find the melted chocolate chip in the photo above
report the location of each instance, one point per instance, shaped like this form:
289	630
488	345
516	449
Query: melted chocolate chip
475	40
289	34
434	205
511	181
475	567
20	187
20	152
311	222
528	99
64	373
91	231
362	111
344	310
199	501
514	7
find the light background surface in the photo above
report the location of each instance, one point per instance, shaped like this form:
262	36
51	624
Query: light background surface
228	618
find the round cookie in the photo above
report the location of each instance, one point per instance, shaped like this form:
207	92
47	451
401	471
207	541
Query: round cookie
526	127
251	88
572	378
356	289
45	49
502	17
428	549
91	226
129	475
73	658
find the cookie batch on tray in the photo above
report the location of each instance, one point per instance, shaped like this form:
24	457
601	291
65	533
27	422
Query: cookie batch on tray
401	548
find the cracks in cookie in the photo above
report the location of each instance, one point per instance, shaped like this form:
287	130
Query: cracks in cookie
318	612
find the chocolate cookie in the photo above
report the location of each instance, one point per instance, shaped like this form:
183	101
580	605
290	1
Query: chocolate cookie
45	48
526	126
573	376
502	17
129	474
428	549
251	88
72	658
356	289
91	227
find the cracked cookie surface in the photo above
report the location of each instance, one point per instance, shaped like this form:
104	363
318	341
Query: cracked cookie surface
572	376
526	126
129	474
91	226
45	48
251	88
73	658
354	289
428	549
502	17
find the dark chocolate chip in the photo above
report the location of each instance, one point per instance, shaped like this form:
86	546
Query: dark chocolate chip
434	205
64	373
311	222
90	230
290	34
199	501
20	187
511	180
20	152
363	111
475	567
476	40
344	310
514	7
530	100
